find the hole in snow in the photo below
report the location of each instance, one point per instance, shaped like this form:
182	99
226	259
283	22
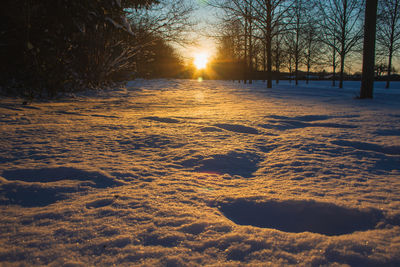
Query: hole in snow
390	150
237	128
99	203
27	195
158	119
46	175
287	123
34	187
301	216
232	163
210	129
301	118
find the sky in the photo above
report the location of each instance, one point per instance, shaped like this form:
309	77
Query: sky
205	16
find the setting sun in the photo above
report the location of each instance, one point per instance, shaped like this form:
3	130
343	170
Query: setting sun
201	60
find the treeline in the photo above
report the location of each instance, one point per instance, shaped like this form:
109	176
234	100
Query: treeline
49	46
299	37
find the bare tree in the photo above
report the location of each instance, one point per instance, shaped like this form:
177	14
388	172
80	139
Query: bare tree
241	11
388	31
297	13
313	47
288	54
248	43
268	14
229	59
341	23
278	54
170	20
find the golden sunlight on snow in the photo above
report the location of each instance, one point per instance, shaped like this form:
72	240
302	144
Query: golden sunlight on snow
181	173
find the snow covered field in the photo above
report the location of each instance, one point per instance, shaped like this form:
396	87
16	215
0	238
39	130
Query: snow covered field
187	173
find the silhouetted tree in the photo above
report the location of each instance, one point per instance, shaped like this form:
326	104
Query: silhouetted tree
267	16
270	15
297	13
388	31
312	44
278	55
340	21
228	62
160	60
53	45
64	45
380	69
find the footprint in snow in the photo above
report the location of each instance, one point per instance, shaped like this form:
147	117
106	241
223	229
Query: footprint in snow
158	119
100	203
45	186
237	128
298	216
389	150
287	123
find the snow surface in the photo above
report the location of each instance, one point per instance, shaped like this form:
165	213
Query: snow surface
187	173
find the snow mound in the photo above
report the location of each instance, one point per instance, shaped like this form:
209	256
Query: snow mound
301	216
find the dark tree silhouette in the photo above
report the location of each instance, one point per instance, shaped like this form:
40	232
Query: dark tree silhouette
295	37
341	26
60	44
228	62
388	31
57	45
267	15
160	61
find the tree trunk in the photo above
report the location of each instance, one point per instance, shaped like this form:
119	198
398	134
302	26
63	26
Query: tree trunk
367	81
341	75
264	61
268	40
277	63
269	64
389	71
290	69
245	48
296	69
392	31
296	51
250	23
250	49
334	65
308	59
308	63
343	43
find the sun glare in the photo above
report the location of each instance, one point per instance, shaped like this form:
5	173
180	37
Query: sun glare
201	60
